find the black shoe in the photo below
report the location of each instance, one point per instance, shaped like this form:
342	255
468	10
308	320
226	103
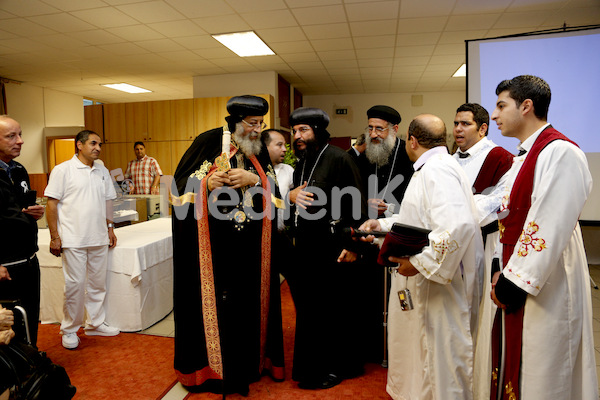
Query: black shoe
329	381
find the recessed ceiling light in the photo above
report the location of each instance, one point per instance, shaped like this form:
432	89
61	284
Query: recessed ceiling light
244	44
125	87
461	71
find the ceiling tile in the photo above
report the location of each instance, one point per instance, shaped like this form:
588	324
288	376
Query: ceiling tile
175	29
404	51
416	25
198	42
151	11
319	15
526	19
159	45
123	48
199	9
276	35
269	19
62	22
300	57
105	17
222	24
374	53
24	27
302	46
480	7
70	5
245	6
425	8
96	37
471	22
418	39
327	31
337	55
373	28
332	44
372	11
135	33
367	42
27	8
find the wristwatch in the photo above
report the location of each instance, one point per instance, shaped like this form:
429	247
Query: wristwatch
110	225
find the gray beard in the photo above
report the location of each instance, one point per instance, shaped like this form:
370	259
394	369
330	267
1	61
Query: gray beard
250	147
379	153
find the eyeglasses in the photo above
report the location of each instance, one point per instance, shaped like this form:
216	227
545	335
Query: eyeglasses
260	125
377	129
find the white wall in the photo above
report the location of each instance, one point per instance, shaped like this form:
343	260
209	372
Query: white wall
33	107
443	104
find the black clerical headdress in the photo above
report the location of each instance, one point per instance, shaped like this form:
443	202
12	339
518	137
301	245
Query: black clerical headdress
385	113
240	107
315	118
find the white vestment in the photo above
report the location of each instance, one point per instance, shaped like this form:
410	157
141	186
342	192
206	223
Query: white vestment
549	263
431	346
487	214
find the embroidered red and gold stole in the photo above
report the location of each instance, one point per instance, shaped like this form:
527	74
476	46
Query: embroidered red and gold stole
214	370
513	226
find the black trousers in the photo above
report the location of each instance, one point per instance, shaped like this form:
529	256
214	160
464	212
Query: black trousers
25	287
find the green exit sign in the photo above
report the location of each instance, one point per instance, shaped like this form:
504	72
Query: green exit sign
341	111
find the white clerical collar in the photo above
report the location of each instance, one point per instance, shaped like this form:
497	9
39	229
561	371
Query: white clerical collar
483	143
428	154
528	143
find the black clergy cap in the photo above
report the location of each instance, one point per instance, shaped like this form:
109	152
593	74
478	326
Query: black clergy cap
385	113
243	106
315	117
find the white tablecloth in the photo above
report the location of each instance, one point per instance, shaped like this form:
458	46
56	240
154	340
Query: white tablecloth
139	279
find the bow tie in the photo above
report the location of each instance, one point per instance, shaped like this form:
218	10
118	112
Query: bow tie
521	152
463	155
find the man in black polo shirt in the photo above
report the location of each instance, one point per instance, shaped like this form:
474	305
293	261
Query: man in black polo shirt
19	267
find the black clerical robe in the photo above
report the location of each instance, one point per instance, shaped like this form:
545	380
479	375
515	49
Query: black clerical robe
326	293
226	298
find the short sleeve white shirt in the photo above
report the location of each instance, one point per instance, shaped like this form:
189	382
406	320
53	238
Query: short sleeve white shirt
82	193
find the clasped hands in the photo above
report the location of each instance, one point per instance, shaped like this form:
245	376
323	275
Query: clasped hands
7	320
235	178
405	267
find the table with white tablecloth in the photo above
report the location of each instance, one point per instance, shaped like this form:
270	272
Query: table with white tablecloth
139	279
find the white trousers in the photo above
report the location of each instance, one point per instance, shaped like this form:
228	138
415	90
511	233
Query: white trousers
80	293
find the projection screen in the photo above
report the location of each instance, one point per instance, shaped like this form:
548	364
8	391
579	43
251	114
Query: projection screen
569	61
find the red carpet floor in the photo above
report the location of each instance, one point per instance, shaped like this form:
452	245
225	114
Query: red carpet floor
370	386
128	366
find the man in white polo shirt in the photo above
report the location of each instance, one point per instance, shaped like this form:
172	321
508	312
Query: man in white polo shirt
80	191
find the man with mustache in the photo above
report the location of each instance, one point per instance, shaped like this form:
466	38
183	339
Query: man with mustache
385	176
485	163
389	170
79	213
326	293
226	294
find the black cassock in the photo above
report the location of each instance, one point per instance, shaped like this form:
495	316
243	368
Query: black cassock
326	293
372	308
235	247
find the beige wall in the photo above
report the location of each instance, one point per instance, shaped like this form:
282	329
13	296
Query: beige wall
442	104
34	108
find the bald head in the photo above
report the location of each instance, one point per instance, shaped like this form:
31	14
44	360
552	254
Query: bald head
10	138
429	130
